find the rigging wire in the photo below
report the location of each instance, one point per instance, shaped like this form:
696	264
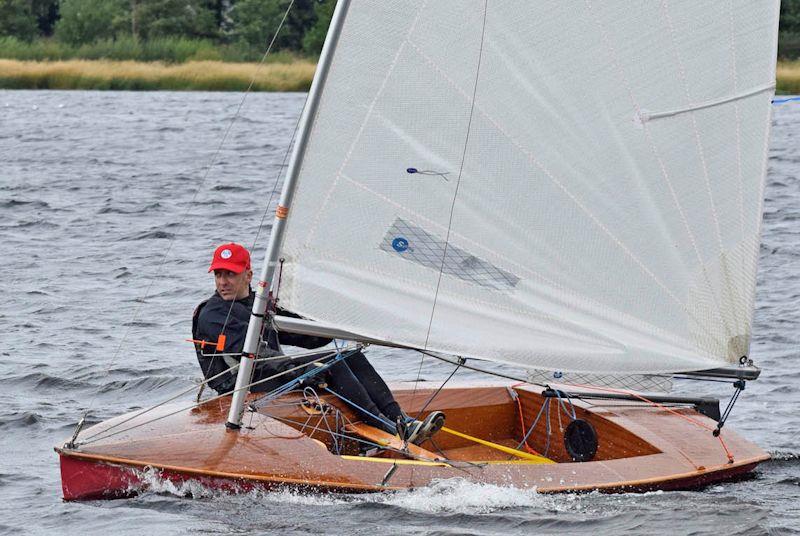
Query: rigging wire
667	409
461	361
739	385
460	172
476	369
516	397
455	193
103	434
361	409
312	399
277	176
367	442
665	406
202	384
524	442
192	203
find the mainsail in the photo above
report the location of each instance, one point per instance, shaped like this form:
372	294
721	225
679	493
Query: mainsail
558	185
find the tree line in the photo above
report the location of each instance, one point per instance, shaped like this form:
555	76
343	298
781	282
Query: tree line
789	39
246	24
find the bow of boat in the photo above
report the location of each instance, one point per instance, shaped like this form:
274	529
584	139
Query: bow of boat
640	447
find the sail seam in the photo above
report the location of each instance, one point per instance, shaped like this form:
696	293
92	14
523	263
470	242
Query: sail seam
561	324
421	217
419	284
703	162
657	155
535	163
313	228
710	339
761	185
735	81
566	292
740	313
460	169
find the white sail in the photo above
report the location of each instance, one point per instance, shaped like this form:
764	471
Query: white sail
593	169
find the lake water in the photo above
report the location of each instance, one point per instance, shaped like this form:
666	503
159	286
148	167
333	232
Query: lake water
104	199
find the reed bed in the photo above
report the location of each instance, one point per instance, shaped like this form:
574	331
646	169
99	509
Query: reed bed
131	75
166	49
788	77
206	75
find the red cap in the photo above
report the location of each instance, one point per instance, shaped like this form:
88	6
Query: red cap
231	257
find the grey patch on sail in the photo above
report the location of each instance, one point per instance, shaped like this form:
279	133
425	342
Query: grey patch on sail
644	383
720	301
738	347
417	245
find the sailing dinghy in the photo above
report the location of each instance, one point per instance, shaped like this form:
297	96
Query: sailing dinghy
574	189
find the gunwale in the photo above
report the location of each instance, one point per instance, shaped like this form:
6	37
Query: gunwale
194	444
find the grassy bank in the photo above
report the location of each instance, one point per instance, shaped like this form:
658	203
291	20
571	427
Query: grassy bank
204	75
788	76
165	49
130	75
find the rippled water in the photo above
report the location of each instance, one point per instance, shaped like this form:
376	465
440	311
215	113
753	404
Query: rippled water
94	187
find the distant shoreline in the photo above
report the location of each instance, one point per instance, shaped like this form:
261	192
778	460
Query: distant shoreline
149	76
206	75
788	78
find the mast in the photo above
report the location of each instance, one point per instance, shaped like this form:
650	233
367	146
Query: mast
252	339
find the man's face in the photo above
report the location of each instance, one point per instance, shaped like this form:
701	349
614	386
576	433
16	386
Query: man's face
233	286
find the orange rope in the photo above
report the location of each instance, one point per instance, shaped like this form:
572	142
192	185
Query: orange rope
656	404
724	446
522	424
640	397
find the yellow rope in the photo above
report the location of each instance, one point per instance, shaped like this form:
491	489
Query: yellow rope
501	448
401	461
395	461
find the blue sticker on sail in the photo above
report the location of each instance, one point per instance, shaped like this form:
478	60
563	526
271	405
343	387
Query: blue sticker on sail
400	244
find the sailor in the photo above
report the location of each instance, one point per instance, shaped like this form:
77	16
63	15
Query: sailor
227	312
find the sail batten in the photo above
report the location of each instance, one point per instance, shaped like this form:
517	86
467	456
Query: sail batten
649	116
607	214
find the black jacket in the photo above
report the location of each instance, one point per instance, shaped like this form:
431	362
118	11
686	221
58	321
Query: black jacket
215	314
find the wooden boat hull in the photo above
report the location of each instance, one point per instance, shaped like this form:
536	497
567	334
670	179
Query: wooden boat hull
641	447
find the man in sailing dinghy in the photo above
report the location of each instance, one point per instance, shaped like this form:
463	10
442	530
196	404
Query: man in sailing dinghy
227	313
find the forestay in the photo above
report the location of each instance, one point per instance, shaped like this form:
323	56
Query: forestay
588	185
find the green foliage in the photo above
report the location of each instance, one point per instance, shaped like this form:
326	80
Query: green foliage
87	21
39	50
790	16
315	36
166	49
173	18
46	13
253	20
300	19
17	19
789	37
177	30
788	45
256	21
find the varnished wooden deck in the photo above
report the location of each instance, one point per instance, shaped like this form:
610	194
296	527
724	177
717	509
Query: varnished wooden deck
640	447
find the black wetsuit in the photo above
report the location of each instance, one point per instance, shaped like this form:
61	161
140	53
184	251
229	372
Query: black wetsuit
354	378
